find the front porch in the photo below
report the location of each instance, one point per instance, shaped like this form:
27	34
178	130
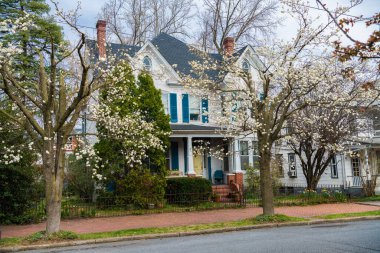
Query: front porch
364	166
220	162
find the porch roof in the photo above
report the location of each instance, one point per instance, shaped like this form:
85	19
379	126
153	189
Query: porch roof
180	129
193	127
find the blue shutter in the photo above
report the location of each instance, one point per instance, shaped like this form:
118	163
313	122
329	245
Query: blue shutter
185	153
173	108
261	96
174	153
209	168
185	108
205	110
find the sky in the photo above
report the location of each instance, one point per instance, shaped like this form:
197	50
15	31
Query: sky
90	9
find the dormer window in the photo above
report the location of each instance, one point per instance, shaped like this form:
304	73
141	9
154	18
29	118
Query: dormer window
147	63
245	66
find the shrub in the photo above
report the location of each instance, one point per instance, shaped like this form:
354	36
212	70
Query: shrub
188	190
309	195
79	177
339	196
139	188
17	194
253	180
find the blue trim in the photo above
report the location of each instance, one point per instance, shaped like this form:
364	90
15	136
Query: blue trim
209	168
185	153
205	110
185	108
173	108
174	153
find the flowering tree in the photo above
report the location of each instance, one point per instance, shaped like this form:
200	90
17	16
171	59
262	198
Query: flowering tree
261	100
48	104
318	133
133	134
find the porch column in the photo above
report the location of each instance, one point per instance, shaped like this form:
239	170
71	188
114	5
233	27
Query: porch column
237	164
190	163
367	171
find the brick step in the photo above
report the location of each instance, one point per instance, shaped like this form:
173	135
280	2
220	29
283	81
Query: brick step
221	190
222	186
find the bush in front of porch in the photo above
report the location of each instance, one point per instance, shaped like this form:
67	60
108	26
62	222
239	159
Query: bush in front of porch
188	190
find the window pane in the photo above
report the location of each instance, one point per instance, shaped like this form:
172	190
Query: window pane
165	102
355	167
147	63
243	147
278	164
255	146
334	168
244	160
195	108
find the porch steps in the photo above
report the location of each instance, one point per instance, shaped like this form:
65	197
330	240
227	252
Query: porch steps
222	190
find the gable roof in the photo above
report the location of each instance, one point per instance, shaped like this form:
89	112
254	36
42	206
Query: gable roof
178	54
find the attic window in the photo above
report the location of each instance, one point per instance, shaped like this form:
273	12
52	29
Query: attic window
147	63
245	66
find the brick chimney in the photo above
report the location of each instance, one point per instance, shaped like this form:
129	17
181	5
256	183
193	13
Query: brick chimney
101	38
228	46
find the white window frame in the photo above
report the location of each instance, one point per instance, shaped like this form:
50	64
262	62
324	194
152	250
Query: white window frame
166	105
246	66
292	166
244	156
355	163
334	168
255	154
279	159
191	97
147	67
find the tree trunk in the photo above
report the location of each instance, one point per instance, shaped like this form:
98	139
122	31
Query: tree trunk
266	183
53	188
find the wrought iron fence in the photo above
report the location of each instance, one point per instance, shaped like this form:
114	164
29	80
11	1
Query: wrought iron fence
75	207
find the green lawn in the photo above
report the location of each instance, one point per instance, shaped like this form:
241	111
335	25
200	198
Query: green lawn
347	215
65	235
364	199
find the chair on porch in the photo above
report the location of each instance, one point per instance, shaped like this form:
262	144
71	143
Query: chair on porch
218	177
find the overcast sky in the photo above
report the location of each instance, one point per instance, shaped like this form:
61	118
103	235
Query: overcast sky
90	10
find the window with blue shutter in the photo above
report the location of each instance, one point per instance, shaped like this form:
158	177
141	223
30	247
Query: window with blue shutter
173	108
185	108
174	153
204	110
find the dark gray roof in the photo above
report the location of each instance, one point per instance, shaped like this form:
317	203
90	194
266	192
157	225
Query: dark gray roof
190	127
177	53
111	49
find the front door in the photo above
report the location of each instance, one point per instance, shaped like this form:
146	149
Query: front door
198	167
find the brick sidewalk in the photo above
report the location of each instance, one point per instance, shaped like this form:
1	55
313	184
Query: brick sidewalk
180	219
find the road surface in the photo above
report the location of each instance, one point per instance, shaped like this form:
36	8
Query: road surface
363	236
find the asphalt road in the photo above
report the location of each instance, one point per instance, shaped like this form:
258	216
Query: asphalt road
363	236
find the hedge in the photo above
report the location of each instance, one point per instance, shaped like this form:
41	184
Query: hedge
188	190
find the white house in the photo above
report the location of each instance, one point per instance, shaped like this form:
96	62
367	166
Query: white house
166	57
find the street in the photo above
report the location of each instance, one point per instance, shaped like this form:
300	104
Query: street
363	236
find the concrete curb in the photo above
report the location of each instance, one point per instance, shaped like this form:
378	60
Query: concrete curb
181	234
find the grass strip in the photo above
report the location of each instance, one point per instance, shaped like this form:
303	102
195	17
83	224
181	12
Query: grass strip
348	215
40	237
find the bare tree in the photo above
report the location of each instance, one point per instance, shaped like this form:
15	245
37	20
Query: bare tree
133	22
241	19
364	50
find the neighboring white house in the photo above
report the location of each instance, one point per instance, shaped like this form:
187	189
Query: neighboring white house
165	57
